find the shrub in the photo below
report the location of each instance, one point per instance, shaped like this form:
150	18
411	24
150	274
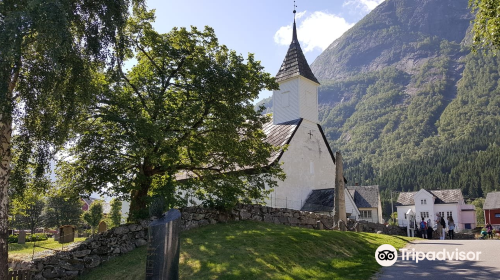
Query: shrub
36	237
12	238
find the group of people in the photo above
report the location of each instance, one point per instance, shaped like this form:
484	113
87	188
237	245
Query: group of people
488	230
427	230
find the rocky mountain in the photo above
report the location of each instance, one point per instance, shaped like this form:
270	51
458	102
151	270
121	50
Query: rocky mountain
408	103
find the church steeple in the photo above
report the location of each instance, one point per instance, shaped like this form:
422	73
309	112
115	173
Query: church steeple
295	63
297	96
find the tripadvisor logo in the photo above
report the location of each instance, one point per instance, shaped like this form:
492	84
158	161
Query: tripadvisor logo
386	255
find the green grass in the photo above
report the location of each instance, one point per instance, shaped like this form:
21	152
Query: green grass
255	250
19	251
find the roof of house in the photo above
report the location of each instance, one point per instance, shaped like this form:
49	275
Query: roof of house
106	207
441	196
492	201
320	201
295	63
364	196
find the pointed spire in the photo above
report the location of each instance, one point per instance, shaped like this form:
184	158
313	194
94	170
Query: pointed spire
294	37
295	63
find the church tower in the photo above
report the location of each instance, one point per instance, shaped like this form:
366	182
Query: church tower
298	93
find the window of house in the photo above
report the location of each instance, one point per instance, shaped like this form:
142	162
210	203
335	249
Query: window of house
366	214
441	214
424	215
449	214
423	201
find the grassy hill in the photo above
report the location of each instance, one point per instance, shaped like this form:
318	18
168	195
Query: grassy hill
256	250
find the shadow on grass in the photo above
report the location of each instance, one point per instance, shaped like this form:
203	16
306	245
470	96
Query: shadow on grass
252	250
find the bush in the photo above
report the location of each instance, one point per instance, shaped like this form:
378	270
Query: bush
12	238
36	237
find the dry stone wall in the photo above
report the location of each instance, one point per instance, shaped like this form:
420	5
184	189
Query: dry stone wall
120	240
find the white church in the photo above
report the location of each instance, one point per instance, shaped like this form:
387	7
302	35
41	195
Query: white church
308	161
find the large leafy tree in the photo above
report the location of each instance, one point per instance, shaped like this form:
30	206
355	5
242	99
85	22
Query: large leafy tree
49	51
486	29
185	107
61	210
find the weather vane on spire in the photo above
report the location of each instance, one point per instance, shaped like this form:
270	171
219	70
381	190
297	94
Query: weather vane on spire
294	11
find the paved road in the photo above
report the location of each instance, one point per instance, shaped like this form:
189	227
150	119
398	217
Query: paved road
487	267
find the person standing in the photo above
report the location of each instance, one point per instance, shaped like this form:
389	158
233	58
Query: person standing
451	227
439	228
489	229
443	229
429	229
423	228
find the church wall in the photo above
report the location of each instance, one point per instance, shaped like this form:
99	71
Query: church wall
308	100
286	102
308	166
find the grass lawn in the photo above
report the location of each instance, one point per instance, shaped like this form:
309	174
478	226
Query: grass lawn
256	250
21	251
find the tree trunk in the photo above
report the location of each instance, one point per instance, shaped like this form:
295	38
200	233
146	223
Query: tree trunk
5	162
138	202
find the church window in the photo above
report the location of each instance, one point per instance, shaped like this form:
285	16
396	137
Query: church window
423	201
285	99
424	214
449	214
497	215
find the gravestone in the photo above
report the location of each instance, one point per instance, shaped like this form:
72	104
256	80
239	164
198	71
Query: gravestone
21	238
102	227
56	237
66	234
164	247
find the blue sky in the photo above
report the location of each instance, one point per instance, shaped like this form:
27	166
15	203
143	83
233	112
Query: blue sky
263	27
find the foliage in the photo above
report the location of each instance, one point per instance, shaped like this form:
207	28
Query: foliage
479	202
486	24
25	251
28	211
256	250
394	219
94	215
184	110
49	53
115	214
13	238
61	210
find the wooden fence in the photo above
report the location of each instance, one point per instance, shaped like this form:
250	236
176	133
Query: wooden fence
19	275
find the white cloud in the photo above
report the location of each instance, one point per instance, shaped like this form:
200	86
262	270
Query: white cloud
364	5
317	30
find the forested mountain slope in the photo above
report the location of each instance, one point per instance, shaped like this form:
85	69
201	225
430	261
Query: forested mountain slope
408	104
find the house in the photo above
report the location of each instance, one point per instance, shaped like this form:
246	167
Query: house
428	203
491	209
368	202
87	201
322	201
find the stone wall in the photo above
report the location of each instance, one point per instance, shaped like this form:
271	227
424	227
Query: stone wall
193	217
88	254
92	252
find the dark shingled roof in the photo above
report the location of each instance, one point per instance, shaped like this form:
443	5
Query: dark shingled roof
364	196
442	197
279	135
492	201
295	63
319	201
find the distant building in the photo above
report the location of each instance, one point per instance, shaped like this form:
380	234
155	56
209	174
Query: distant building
367	200
491	209
428	203
106	207
322	201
